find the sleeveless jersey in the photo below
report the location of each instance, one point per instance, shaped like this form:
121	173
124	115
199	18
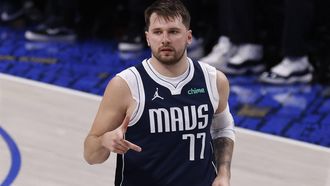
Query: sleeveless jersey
171	124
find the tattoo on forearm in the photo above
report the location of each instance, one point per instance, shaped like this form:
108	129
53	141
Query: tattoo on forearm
223	150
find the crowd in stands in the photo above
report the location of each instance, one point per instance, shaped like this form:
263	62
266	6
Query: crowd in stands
280	41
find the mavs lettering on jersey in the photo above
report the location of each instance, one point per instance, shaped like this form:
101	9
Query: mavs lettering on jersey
177	118
172	126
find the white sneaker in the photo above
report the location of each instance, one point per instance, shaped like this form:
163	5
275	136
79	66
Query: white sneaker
289	71
247	59
220	53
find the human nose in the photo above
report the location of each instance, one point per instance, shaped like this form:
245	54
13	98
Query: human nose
165	38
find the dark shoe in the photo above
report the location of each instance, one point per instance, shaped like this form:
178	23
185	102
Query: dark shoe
131	43
46	33
11	10
131	46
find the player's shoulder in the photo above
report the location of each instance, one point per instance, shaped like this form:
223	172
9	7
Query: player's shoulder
127	73
212	70
216	76
132	72
205	65
222	77
132	79
120	81
207	68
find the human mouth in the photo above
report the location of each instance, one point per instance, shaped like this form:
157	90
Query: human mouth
166	49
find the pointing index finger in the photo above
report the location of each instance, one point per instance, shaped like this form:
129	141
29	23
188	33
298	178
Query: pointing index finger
133	146
129	144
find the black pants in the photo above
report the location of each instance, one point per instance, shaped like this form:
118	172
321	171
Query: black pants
61	12
297	16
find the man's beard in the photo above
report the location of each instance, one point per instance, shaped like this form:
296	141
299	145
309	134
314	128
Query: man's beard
174	59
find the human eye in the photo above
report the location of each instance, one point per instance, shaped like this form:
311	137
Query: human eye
157	32
174	31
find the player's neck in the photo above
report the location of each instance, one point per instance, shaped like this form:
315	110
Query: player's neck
172	70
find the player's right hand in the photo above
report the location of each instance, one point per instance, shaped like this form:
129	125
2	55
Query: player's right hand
115	142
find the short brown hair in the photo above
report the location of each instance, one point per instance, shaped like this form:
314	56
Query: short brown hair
168	9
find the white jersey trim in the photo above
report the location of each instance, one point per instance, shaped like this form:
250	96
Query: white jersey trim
175	89
134	82
210	74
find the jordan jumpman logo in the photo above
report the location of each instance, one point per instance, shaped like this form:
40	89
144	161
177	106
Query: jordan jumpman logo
156	95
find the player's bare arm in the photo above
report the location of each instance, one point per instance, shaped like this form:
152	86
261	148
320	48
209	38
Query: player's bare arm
114	111
223	146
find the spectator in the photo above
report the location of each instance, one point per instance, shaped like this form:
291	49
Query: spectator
132	42
242	51
295	66
58	24
12	10
238	50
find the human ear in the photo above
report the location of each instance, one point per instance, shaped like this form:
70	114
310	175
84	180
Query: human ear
147	38
189	39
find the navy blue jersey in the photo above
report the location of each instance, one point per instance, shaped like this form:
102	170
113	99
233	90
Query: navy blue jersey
173	130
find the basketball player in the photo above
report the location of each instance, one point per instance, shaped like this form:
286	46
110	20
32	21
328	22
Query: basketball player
167	118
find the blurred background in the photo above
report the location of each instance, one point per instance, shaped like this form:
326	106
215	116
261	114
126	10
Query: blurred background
275	53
